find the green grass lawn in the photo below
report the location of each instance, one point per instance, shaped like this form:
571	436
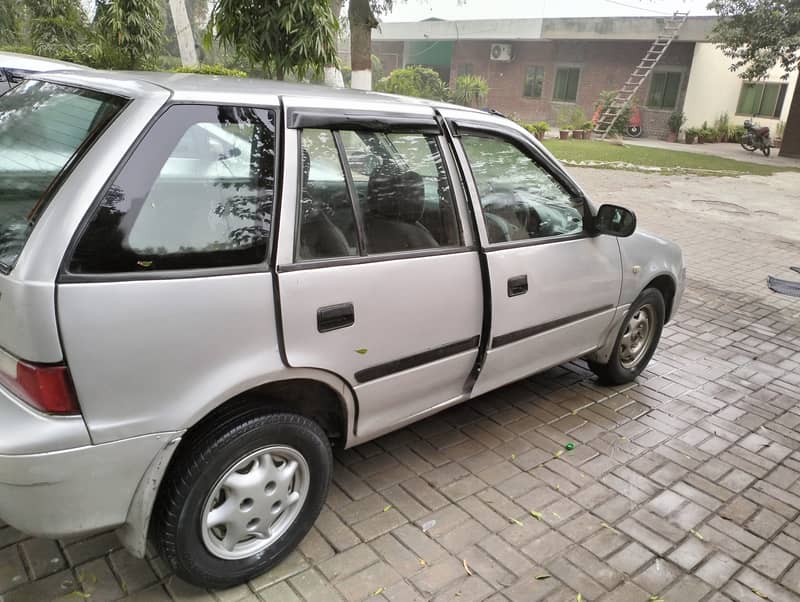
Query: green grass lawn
594	153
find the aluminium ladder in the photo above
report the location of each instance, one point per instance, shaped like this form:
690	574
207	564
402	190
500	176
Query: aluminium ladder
624	96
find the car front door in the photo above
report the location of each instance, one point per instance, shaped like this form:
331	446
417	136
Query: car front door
379	277
554	287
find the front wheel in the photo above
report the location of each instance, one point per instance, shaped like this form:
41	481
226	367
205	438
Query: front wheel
748	145
240	495
636	342
634	131
765	150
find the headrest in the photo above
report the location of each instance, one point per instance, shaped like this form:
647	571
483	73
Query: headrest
396	196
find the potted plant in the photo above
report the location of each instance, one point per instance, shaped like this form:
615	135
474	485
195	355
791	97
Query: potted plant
576	120
690	135
541	128
587	130
675	123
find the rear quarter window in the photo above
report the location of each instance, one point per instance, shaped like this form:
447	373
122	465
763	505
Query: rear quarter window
43	128
195	193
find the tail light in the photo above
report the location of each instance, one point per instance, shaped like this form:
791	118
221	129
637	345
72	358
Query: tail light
47	388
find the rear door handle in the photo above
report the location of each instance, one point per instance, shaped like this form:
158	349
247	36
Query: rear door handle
333	317
517	285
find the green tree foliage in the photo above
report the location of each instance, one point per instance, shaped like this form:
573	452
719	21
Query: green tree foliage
470	90
292	36
11	16
59	29
757	34
422	82
130	32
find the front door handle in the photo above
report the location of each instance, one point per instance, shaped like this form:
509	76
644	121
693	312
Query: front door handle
517	285
333	317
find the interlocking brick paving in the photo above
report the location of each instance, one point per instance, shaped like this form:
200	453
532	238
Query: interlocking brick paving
683	486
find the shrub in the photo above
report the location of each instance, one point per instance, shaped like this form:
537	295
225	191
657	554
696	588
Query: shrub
538	129
470	90
676	121
421	82
211	70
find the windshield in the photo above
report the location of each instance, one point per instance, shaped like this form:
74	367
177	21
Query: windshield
42	127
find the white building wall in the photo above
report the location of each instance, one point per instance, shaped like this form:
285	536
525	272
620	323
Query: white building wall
714	89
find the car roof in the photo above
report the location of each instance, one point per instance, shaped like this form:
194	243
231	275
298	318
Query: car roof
28	62
209	88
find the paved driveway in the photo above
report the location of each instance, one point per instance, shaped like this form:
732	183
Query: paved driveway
682	487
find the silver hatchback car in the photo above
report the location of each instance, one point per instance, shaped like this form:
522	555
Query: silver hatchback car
207	283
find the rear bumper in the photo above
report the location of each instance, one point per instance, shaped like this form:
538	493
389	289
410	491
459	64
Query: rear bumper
73	491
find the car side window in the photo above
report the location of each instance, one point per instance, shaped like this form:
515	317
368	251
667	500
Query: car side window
326	223
403	191
196	192
519	198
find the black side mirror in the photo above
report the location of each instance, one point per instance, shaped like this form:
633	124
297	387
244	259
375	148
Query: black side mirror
614	221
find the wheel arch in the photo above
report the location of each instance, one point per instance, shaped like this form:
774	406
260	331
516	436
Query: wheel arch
665	284
315	394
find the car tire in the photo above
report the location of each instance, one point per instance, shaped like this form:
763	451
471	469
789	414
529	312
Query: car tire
225	512
636	342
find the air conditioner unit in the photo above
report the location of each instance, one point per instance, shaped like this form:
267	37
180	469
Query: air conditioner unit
500	52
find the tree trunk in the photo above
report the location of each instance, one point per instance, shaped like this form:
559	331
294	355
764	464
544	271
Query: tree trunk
184	33
333	75
361	23
790	147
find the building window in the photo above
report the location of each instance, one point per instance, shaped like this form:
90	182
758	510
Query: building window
664	89
534	81
566	86
765	100
465	69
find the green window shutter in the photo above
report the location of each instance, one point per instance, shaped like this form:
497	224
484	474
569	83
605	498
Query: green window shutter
672	86
748	99
572	84
664	89
534	81
657	90
769	99
566	86
781	97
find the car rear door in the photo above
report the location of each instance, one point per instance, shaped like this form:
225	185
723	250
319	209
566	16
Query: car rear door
554	287
378	276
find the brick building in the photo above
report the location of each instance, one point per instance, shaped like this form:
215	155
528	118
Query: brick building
537	68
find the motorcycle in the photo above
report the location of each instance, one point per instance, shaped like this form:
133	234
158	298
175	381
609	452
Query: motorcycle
756	138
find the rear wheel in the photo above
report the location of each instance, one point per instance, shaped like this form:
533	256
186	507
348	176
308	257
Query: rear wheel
765	149
636	342
240	496
634	131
